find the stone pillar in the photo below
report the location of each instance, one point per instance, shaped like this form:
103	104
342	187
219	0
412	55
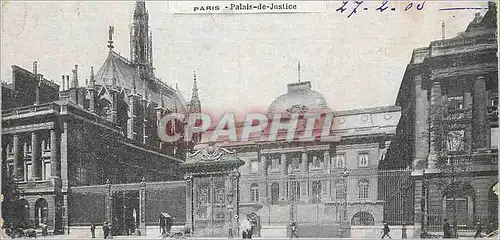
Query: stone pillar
304	181
35	157
479	111
421	124
64	155
142	207
189	202
263	166
467	100
54	163
18	159
284	164
326	184
131	118
284	172
109	202
436	101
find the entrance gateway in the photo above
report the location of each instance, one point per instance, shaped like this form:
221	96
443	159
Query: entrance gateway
212	198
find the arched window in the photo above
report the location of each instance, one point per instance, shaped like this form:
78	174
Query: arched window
254	192
316	191
362	219
458	200
41	211
275	193
340	190
363	189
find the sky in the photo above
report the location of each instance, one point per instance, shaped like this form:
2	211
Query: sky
242	61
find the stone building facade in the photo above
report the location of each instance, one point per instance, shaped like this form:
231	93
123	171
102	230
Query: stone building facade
58	138
448	132
305	181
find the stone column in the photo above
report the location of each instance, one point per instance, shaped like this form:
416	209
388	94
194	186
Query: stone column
421	127
131	117
35	157
284	173
189	202
109	202
479	111
263	166
142	207
64	155
326	184
304	182
18	160
284	164
436	101
54	163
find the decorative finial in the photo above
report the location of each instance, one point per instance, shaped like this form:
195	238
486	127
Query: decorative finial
110	41
298	69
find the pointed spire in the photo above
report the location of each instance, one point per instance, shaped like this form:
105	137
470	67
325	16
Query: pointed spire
110	40
140	8
195	87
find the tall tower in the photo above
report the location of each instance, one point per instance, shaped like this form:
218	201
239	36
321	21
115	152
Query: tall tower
141	52
195	107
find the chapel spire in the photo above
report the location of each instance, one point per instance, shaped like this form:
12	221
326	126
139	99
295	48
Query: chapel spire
195	103
141	52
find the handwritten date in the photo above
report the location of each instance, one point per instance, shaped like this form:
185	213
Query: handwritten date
353	7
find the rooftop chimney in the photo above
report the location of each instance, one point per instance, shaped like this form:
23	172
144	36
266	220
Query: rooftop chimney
63	83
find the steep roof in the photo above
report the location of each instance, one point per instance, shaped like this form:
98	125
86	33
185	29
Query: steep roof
127	75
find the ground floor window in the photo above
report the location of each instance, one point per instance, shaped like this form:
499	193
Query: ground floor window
362	219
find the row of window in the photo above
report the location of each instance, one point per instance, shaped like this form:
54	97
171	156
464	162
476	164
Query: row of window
339	161
44	145
340	191
28	171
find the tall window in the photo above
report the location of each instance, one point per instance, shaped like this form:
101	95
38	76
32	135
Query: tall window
275	193
81	174
295	191
341	160
316	191
47	170
254	192
29	171
254	166
363	189
455	140
340	190
363	159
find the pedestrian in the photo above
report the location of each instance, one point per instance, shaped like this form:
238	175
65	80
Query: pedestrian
293	228
446	229
479	230
92	229
245	228
386	230
105	229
